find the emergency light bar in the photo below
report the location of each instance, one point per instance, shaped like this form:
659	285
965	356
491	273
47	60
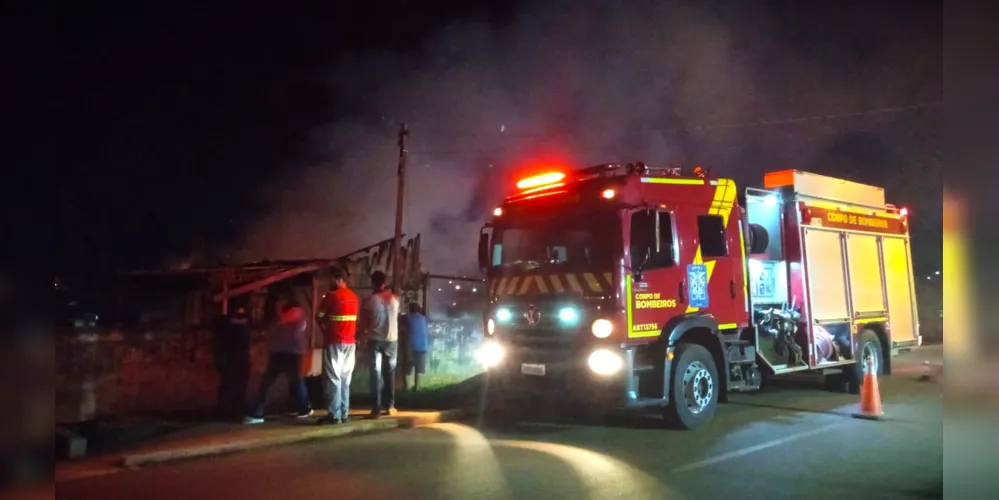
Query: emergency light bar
540	180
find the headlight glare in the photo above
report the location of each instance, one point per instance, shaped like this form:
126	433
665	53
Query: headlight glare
602	328
503	314
490	354
605	362
568	315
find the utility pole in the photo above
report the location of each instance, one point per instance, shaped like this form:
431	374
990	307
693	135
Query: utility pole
400	191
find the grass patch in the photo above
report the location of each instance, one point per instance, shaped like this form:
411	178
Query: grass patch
360	383
437	391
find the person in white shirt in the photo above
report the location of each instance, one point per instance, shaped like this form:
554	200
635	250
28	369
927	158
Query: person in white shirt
381	311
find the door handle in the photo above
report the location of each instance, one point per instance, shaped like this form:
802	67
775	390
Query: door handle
680	292
731	288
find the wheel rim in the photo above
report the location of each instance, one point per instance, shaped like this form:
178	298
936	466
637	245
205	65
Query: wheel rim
698	387
870	352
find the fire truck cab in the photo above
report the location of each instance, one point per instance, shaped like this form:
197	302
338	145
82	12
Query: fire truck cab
629	286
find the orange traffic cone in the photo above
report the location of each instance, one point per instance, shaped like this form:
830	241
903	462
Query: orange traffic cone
870	395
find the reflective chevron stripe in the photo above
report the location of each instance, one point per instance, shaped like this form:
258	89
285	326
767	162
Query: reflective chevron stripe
511	287
574	283
556	283
552	283
542	287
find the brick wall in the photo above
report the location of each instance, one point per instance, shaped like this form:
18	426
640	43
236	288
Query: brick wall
129	373
118	373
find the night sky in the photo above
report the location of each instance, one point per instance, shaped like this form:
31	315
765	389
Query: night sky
205	133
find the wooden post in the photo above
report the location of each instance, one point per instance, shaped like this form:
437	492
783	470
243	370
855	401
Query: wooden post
400	191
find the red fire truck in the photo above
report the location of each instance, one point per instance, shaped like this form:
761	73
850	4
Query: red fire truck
631	286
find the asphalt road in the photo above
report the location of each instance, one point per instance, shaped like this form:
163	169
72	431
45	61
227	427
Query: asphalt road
782	443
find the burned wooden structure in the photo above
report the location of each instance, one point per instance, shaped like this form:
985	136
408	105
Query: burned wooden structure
264	287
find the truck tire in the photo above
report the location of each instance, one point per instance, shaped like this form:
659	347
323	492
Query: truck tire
694	387
868	343
759	239
850	378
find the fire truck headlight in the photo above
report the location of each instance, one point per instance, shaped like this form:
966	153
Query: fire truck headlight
605	362
490	326
568	315
503	315
602	328
490	354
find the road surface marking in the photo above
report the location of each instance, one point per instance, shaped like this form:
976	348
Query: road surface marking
753	449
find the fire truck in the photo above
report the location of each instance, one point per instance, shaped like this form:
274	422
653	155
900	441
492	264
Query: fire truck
628	286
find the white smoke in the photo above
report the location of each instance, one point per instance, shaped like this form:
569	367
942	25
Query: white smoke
570	83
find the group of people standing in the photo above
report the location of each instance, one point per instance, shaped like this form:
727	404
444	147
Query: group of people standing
347	326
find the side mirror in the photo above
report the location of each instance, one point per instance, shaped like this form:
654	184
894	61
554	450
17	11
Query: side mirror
483	250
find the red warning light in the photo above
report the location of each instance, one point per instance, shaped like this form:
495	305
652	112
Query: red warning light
540	180
904	212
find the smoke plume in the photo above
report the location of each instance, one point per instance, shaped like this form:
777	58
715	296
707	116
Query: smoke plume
662	82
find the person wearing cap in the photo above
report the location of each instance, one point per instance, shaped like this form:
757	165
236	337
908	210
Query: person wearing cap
231	353
337	317
382	333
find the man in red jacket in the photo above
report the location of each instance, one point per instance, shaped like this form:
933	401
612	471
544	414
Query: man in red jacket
337	318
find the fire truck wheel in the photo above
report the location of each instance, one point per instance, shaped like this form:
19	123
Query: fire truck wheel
868	344
695	386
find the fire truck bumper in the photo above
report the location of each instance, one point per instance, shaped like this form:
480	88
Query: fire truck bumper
570	387
528	377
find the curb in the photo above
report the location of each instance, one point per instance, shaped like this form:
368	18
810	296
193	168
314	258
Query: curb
432	418
140	459
356	427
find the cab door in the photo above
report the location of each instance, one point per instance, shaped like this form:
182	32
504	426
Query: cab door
715	273
655	281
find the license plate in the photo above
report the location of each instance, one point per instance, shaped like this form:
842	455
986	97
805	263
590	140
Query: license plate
531	369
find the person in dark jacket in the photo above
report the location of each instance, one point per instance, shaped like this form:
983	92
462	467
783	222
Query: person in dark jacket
287	341
231	353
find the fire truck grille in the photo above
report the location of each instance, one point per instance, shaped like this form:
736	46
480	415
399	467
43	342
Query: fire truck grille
540	338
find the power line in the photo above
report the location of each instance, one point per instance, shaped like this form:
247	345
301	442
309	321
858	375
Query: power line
701	128
802	119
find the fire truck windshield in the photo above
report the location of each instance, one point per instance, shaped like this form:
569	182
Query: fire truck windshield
579	239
